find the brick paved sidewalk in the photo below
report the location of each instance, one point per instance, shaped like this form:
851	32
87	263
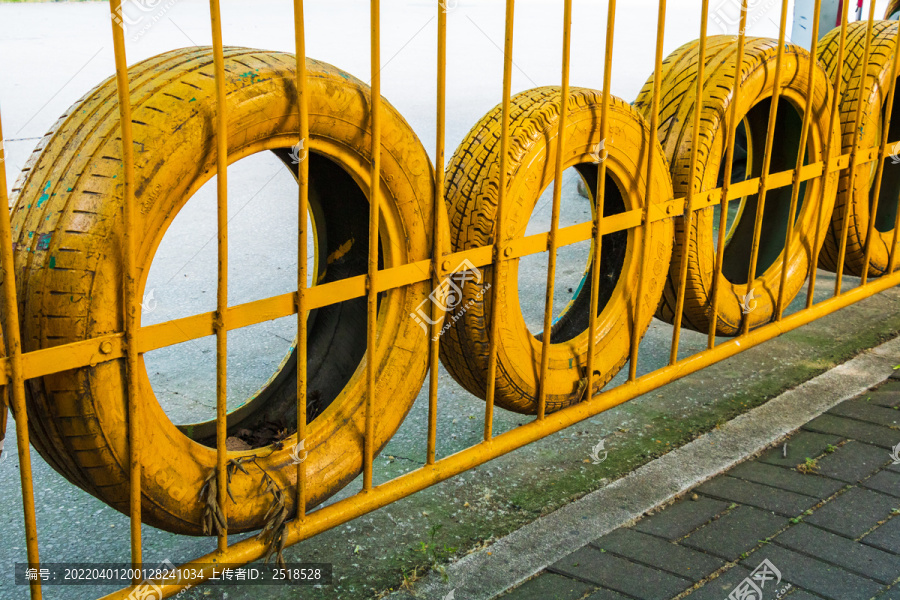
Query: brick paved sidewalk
818	516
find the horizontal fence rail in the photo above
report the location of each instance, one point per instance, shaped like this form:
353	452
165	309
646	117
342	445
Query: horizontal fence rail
294	517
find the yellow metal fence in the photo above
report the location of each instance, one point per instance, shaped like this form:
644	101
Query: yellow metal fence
129	344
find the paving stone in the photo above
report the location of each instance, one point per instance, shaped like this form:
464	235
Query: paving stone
808	573
787	479
721	586
656	552
888	594
856	430
882	398
853	461
853	556
681	518
866	411
602	568
801	445
886	537
550	585
802	595
886	482
603	594
736	532
854	512
754	494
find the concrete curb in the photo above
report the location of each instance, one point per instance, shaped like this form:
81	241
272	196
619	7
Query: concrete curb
489	572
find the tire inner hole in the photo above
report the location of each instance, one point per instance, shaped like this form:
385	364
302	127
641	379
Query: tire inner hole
572	284
262	240
750	144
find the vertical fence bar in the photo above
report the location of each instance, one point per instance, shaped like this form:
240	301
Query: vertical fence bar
854	155
437	230
222	288
499	251
17	379
726	186
645	219
767	158
302	255
688	217
879	172
371	290
600	200
129	283
801	151
554	213
829	154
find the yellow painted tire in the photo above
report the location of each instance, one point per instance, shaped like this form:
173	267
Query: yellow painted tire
472	186
677	102
67	223
892	9
3	400
874	98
